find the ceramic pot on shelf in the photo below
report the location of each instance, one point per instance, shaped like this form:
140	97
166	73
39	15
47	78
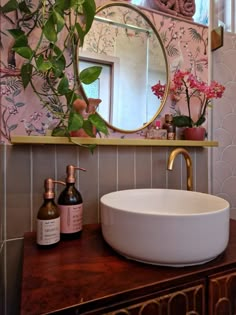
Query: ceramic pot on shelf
195	133
82	134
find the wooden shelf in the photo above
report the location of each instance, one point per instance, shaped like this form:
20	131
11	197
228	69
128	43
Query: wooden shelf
110	141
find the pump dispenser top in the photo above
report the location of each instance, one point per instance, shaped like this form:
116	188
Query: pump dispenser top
70	171
49	192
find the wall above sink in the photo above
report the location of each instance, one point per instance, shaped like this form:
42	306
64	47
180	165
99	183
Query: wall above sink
185	45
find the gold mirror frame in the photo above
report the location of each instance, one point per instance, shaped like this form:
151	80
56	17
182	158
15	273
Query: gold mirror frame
163	101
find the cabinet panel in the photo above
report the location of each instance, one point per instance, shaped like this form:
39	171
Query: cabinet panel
188	301
222	294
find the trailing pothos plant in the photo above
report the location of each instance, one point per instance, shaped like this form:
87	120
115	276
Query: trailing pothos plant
47	35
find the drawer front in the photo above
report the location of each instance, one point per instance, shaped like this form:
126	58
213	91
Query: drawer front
222	293
189	301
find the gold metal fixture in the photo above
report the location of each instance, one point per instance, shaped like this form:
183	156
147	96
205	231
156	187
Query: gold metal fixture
188	161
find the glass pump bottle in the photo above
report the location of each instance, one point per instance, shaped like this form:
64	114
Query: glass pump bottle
48	217
170	127
70	204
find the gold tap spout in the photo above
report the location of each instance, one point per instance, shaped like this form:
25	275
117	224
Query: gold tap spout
188	161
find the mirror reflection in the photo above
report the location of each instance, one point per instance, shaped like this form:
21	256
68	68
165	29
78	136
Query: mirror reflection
124	42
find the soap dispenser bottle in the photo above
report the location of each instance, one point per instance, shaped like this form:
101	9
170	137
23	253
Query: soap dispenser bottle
70	204
48	217
170	127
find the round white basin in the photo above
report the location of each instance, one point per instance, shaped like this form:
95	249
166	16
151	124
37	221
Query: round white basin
164	226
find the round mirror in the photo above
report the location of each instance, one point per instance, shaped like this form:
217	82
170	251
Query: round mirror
127	46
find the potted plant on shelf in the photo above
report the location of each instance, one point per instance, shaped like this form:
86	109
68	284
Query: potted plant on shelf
185	84
47	36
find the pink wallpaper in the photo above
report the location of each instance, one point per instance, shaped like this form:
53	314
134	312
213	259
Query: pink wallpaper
21	113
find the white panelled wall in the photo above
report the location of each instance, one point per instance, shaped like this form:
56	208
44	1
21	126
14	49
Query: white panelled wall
223	69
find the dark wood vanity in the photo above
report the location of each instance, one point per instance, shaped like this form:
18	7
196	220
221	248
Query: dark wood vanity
86	276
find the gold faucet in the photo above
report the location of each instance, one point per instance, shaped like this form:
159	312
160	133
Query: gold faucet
188	161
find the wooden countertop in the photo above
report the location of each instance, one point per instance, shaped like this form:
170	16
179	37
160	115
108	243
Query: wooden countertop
89	273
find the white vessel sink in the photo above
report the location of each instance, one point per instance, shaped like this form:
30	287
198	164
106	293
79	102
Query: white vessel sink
164	226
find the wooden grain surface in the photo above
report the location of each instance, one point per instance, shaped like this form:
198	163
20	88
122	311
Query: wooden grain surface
88	273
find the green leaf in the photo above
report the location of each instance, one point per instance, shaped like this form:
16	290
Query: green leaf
43	65
75	121
98	122
59	60
81	33
200	121
59	21
11	5
21	41
90	74
49	30
63	86
58	66
24	7
63	5
182	121
26	73
76	5
88	128
57	50
16	32
89	8
59	132
57	71
25	52
70	97
91	147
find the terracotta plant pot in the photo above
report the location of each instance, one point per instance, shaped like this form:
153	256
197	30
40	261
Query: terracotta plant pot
81	133
196	133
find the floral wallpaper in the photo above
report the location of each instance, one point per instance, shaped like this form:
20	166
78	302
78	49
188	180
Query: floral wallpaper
21	113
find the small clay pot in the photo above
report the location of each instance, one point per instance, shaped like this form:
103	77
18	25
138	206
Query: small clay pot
195	133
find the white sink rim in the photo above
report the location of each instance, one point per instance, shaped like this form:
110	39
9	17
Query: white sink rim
213	225
184	193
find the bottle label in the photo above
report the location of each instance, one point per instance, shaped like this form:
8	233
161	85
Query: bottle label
48	231
171	135
71	218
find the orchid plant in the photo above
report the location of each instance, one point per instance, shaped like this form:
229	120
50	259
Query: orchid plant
185	84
